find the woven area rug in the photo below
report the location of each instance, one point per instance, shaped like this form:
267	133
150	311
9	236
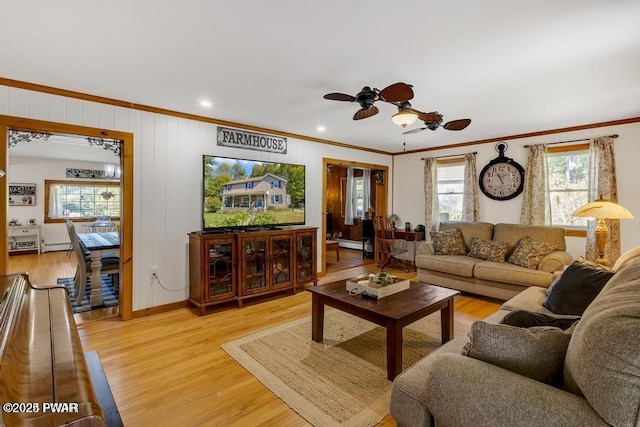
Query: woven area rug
108	293
341	381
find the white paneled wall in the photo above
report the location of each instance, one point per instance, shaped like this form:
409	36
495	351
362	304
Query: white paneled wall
409	171
168	179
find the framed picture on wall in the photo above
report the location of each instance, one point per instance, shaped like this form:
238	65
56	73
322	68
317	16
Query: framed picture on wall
22	194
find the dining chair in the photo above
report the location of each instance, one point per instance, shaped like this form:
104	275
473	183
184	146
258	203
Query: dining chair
389	248
110	265
102	224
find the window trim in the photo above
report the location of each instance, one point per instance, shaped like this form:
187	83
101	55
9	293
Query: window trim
47	189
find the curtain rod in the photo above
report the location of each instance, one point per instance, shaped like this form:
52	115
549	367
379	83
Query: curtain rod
450	155
615	135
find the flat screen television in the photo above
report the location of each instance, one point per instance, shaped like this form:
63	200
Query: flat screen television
244	194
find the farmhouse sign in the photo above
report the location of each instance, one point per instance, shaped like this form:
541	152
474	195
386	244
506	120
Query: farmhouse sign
251	141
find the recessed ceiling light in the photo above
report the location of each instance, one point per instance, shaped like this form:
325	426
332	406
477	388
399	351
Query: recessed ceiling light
205	103
321	129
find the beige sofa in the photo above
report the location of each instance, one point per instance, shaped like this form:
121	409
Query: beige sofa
500	280
600	378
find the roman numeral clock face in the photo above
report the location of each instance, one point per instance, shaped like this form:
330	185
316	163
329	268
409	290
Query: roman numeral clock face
502	179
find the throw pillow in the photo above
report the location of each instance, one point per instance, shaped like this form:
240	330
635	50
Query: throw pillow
448	242
537	352
490	250
579	284
529	252
527	319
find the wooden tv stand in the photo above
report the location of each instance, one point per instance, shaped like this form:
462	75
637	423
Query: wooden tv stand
240	265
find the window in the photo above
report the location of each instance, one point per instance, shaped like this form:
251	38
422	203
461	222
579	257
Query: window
248	185
568	174
81	200
276	184
450	189
276	198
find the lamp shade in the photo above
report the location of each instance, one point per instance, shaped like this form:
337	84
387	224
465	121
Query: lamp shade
602	209
2	173
404	117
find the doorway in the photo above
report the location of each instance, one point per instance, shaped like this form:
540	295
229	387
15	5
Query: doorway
333	190
8	123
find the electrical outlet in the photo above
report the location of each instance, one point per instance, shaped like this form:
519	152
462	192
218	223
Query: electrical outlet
153	271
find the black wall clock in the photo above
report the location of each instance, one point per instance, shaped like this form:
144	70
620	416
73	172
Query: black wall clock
502	178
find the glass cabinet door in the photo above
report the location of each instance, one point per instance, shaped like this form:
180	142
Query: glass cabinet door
305	259
254	264
281	261
220	271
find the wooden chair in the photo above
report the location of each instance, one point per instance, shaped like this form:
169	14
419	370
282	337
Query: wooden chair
388	248
110	265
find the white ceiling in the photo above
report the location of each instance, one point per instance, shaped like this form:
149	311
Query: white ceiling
510	66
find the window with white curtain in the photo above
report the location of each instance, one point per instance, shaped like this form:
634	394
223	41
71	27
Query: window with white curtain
450	190
568	174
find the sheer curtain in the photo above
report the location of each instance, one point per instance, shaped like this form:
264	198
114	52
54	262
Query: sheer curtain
536	207
366	190
349	195
470	198
55	204
602	183
431	208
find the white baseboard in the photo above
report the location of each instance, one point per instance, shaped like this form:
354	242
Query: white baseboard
350	244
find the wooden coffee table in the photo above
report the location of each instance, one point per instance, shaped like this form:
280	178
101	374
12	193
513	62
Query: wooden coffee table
393	312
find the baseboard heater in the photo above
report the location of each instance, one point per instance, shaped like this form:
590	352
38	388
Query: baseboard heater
52	247
350	244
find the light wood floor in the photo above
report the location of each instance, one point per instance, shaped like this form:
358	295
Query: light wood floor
169	369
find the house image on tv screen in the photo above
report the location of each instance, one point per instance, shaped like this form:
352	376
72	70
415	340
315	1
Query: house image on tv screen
259	193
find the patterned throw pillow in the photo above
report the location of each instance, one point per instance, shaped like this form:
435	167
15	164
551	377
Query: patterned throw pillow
490	250
448	242
529	252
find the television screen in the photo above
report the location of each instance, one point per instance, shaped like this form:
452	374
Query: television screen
240	193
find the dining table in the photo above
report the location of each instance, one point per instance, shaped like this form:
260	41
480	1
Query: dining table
99	244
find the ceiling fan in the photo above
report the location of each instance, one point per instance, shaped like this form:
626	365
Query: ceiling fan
395	93
434	120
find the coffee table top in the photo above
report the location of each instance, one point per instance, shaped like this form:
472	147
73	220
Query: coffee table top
418	297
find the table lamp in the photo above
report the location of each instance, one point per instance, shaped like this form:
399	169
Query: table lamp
602	209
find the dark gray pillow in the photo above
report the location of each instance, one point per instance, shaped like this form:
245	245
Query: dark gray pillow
527	319
578	286
537	352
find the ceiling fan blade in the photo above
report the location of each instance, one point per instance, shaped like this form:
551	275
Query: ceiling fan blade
430	117
457	124
365	112
339	97
409	132
396	92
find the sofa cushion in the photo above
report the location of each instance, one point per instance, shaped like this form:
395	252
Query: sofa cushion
512	233
470	229
448	242
603	361
577	287
460	265
488	249
531	299
536	352
529	252
510	273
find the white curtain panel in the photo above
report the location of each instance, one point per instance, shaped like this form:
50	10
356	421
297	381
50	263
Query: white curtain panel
350	194
366	189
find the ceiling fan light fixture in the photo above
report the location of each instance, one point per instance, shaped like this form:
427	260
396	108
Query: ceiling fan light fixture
404	117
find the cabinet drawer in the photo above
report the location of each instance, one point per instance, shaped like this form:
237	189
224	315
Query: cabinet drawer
20	231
